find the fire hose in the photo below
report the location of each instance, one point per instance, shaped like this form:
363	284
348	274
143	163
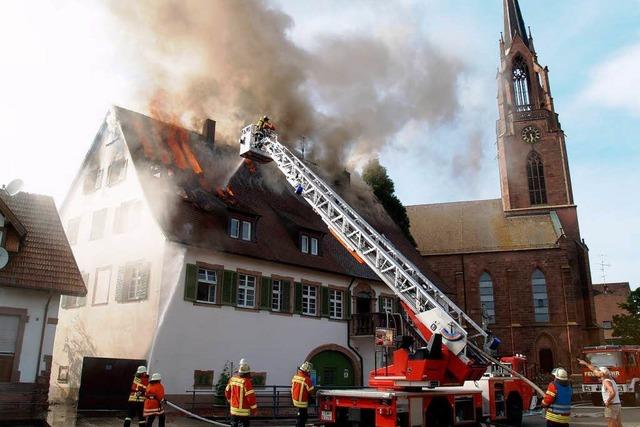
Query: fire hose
198	417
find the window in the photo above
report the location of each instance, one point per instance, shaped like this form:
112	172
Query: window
127	216
276	295
308	244
520	74
73	229
386	304
98	222
540	300
335	304
606	324
246	291
234	228
535	176
246	230
207	281
309	300
202	379
69	301
101	287
117	171
487	303
133	281
92	180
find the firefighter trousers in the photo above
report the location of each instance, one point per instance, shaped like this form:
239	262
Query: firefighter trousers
135	410
301	420
237	421
152	417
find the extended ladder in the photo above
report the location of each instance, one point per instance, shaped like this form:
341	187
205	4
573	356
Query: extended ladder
430	304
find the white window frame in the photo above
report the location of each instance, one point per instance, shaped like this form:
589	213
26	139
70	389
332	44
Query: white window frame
234	228
304	243
387	304
246	230
276	295
314	246
309	300
246	291
208	278
336	304
136	279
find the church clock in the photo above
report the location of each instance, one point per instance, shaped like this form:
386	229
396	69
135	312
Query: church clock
530	134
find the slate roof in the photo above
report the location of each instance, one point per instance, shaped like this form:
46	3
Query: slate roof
478	226
619	289
44	260
194	209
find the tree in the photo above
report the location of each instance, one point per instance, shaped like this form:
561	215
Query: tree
627	326
376	176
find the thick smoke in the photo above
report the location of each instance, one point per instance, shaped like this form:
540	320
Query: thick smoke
232	60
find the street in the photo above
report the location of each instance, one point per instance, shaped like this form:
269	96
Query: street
583	415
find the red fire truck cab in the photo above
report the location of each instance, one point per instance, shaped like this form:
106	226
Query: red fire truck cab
624	363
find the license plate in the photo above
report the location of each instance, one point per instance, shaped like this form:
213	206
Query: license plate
326	416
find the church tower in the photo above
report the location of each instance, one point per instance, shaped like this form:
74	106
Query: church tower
534	171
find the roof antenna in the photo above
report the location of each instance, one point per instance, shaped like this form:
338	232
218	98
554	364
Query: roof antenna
603	267
13	187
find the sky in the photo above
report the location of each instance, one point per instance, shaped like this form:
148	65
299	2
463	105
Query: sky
61	69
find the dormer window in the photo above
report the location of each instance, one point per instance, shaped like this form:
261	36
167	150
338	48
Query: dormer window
309	244
242	229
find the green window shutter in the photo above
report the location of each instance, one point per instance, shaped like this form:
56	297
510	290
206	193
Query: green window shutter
120	285
297	304
286	296
265	293
347	305
380	305
324	301
191	283
229	287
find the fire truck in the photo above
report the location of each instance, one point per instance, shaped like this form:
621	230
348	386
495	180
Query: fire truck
624	363
447	374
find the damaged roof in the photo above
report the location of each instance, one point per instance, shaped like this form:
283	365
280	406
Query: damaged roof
194	208
44	260
478	226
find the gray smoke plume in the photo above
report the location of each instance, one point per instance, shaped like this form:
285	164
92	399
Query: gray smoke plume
232	60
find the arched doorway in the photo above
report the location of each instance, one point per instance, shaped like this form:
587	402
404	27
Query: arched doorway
545	353
333	367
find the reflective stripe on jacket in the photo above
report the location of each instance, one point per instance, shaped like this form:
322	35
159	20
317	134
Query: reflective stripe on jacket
558	400
138	387
301	386
153	403
241	396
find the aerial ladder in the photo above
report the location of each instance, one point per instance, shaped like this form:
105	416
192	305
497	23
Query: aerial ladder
458	348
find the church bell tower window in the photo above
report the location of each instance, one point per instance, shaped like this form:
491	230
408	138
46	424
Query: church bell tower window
535	175
520	74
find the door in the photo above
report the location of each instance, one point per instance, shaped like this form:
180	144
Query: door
546	360
9	327
105	383
332	368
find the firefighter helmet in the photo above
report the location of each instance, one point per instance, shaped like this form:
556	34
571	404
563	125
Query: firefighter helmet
243	367
306	367
141	370
561	374
265	118
156	377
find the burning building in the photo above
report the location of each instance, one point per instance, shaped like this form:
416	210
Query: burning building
197	258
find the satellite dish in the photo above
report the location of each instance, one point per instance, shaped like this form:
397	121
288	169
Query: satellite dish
14	187
4	257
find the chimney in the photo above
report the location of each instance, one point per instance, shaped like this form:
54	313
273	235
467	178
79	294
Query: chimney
209	131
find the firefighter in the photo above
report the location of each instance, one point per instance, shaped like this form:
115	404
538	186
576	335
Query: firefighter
263	128
557	399
301	391
136	397
154	402
241	396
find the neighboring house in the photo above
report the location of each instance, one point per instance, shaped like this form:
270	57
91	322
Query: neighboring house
195	258
40	270
521	257
607	298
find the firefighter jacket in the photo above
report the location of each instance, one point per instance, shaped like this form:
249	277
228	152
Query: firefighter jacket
138	387
301	386
557	400
241	396
153	403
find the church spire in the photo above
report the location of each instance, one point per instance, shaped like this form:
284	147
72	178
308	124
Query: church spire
513	23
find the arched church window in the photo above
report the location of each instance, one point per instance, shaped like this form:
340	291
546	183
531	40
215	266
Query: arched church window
540	298
486	298
520	74
535	176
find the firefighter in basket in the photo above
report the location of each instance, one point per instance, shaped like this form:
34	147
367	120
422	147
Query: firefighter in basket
136	397
241	396
264	128
301	391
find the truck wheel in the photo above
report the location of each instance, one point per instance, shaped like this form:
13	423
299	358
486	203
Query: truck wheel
596	399
514	410
438	414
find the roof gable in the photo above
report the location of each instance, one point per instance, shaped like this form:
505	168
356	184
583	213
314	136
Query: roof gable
12	218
